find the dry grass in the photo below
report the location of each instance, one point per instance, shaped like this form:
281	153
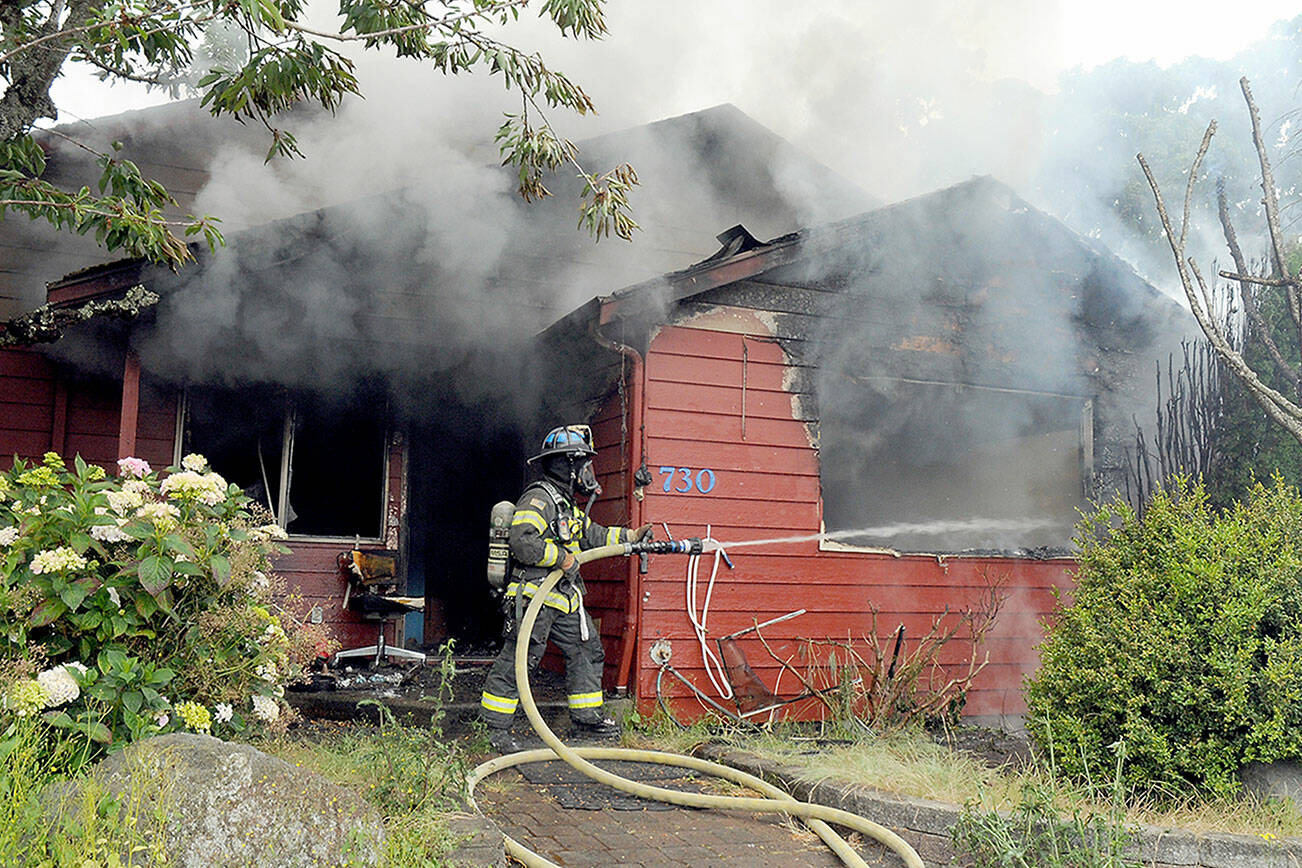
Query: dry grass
913	764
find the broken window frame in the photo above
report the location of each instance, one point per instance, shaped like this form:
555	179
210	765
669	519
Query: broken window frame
288	430
1085	455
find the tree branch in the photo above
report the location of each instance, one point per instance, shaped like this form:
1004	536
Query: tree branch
1278	407
1245	294
46	323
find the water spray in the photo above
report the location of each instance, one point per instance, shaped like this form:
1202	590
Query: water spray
890	530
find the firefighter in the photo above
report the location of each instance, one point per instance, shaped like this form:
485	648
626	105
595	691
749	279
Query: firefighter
548	528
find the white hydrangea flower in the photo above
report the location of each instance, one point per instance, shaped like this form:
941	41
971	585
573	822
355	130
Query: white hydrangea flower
8	536
259	581
122	502
57	560
194	462
25	697
222	712
59	686
266	671
265	708
165	516
109	533
209	488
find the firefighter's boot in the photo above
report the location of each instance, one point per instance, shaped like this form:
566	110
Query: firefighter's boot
503	740
596	726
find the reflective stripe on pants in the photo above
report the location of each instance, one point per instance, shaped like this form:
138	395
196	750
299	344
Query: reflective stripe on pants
584	660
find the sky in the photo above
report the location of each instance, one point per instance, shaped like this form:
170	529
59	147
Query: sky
899	98
1032	40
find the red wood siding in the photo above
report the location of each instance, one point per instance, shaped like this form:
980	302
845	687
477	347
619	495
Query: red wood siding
27	404
699	415
38	412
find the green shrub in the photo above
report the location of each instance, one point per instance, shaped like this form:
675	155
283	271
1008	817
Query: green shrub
1183	642
139	604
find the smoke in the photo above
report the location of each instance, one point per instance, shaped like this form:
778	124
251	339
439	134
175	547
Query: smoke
425	266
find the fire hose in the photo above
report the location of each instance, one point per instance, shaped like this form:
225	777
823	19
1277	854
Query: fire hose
774	800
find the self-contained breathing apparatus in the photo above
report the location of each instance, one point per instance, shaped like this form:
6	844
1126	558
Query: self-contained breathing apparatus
499	547
573	445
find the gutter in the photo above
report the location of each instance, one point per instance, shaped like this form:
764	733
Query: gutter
633	597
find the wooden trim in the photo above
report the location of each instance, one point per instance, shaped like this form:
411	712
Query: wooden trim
59	423
130	413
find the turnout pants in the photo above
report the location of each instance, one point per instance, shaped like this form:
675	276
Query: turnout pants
583	664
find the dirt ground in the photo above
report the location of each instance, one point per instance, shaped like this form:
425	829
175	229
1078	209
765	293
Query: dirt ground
994	747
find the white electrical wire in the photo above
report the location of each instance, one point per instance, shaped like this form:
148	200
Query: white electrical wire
708	657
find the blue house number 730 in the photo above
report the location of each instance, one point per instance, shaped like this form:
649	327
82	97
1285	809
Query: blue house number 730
681	480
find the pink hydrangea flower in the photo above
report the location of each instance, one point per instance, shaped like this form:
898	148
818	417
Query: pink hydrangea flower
136	467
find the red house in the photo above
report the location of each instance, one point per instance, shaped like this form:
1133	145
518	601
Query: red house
922	396
919	398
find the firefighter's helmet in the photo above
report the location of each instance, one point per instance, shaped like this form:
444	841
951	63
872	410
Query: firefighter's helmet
573	441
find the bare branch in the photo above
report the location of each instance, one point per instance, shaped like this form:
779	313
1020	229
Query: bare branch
1278	407
1245	291
1193	176
1252	278
1270	195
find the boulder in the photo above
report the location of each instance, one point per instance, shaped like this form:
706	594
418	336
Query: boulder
233	805
1281	781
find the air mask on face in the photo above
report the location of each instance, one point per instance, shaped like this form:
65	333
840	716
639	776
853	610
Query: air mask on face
585	480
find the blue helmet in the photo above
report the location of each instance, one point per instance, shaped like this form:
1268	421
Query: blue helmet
572	440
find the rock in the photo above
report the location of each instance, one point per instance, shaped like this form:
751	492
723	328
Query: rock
231	804
1278	780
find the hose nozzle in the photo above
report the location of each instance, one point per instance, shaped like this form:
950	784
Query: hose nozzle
688	546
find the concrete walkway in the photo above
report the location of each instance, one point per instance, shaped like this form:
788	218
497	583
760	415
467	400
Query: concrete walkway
588	825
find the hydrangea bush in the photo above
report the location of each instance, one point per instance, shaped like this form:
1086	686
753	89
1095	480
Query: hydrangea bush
141	603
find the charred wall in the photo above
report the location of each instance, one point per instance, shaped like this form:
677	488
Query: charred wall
964	356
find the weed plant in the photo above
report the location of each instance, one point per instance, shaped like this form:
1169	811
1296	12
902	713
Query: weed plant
53	815
1042	832
413	774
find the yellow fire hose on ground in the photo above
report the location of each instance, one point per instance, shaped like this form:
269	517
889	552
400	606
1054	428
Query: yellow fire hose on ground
774	800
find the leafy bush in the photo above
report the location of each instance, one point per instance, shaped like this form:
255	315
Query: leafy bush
139	604
1184	642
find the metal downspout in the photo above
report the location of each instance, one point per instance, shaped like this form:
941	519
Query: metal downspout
633	598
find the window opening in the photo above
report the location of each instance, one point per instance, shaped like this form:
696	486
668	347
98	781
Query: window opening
319	466
946	467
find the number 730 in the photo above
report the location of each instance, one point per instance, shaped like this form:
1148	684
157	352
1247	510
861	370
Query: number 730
681	480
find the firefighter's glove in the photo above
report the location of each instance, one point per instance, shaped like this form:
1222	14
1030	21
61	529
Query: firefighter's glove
642	533
569	566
